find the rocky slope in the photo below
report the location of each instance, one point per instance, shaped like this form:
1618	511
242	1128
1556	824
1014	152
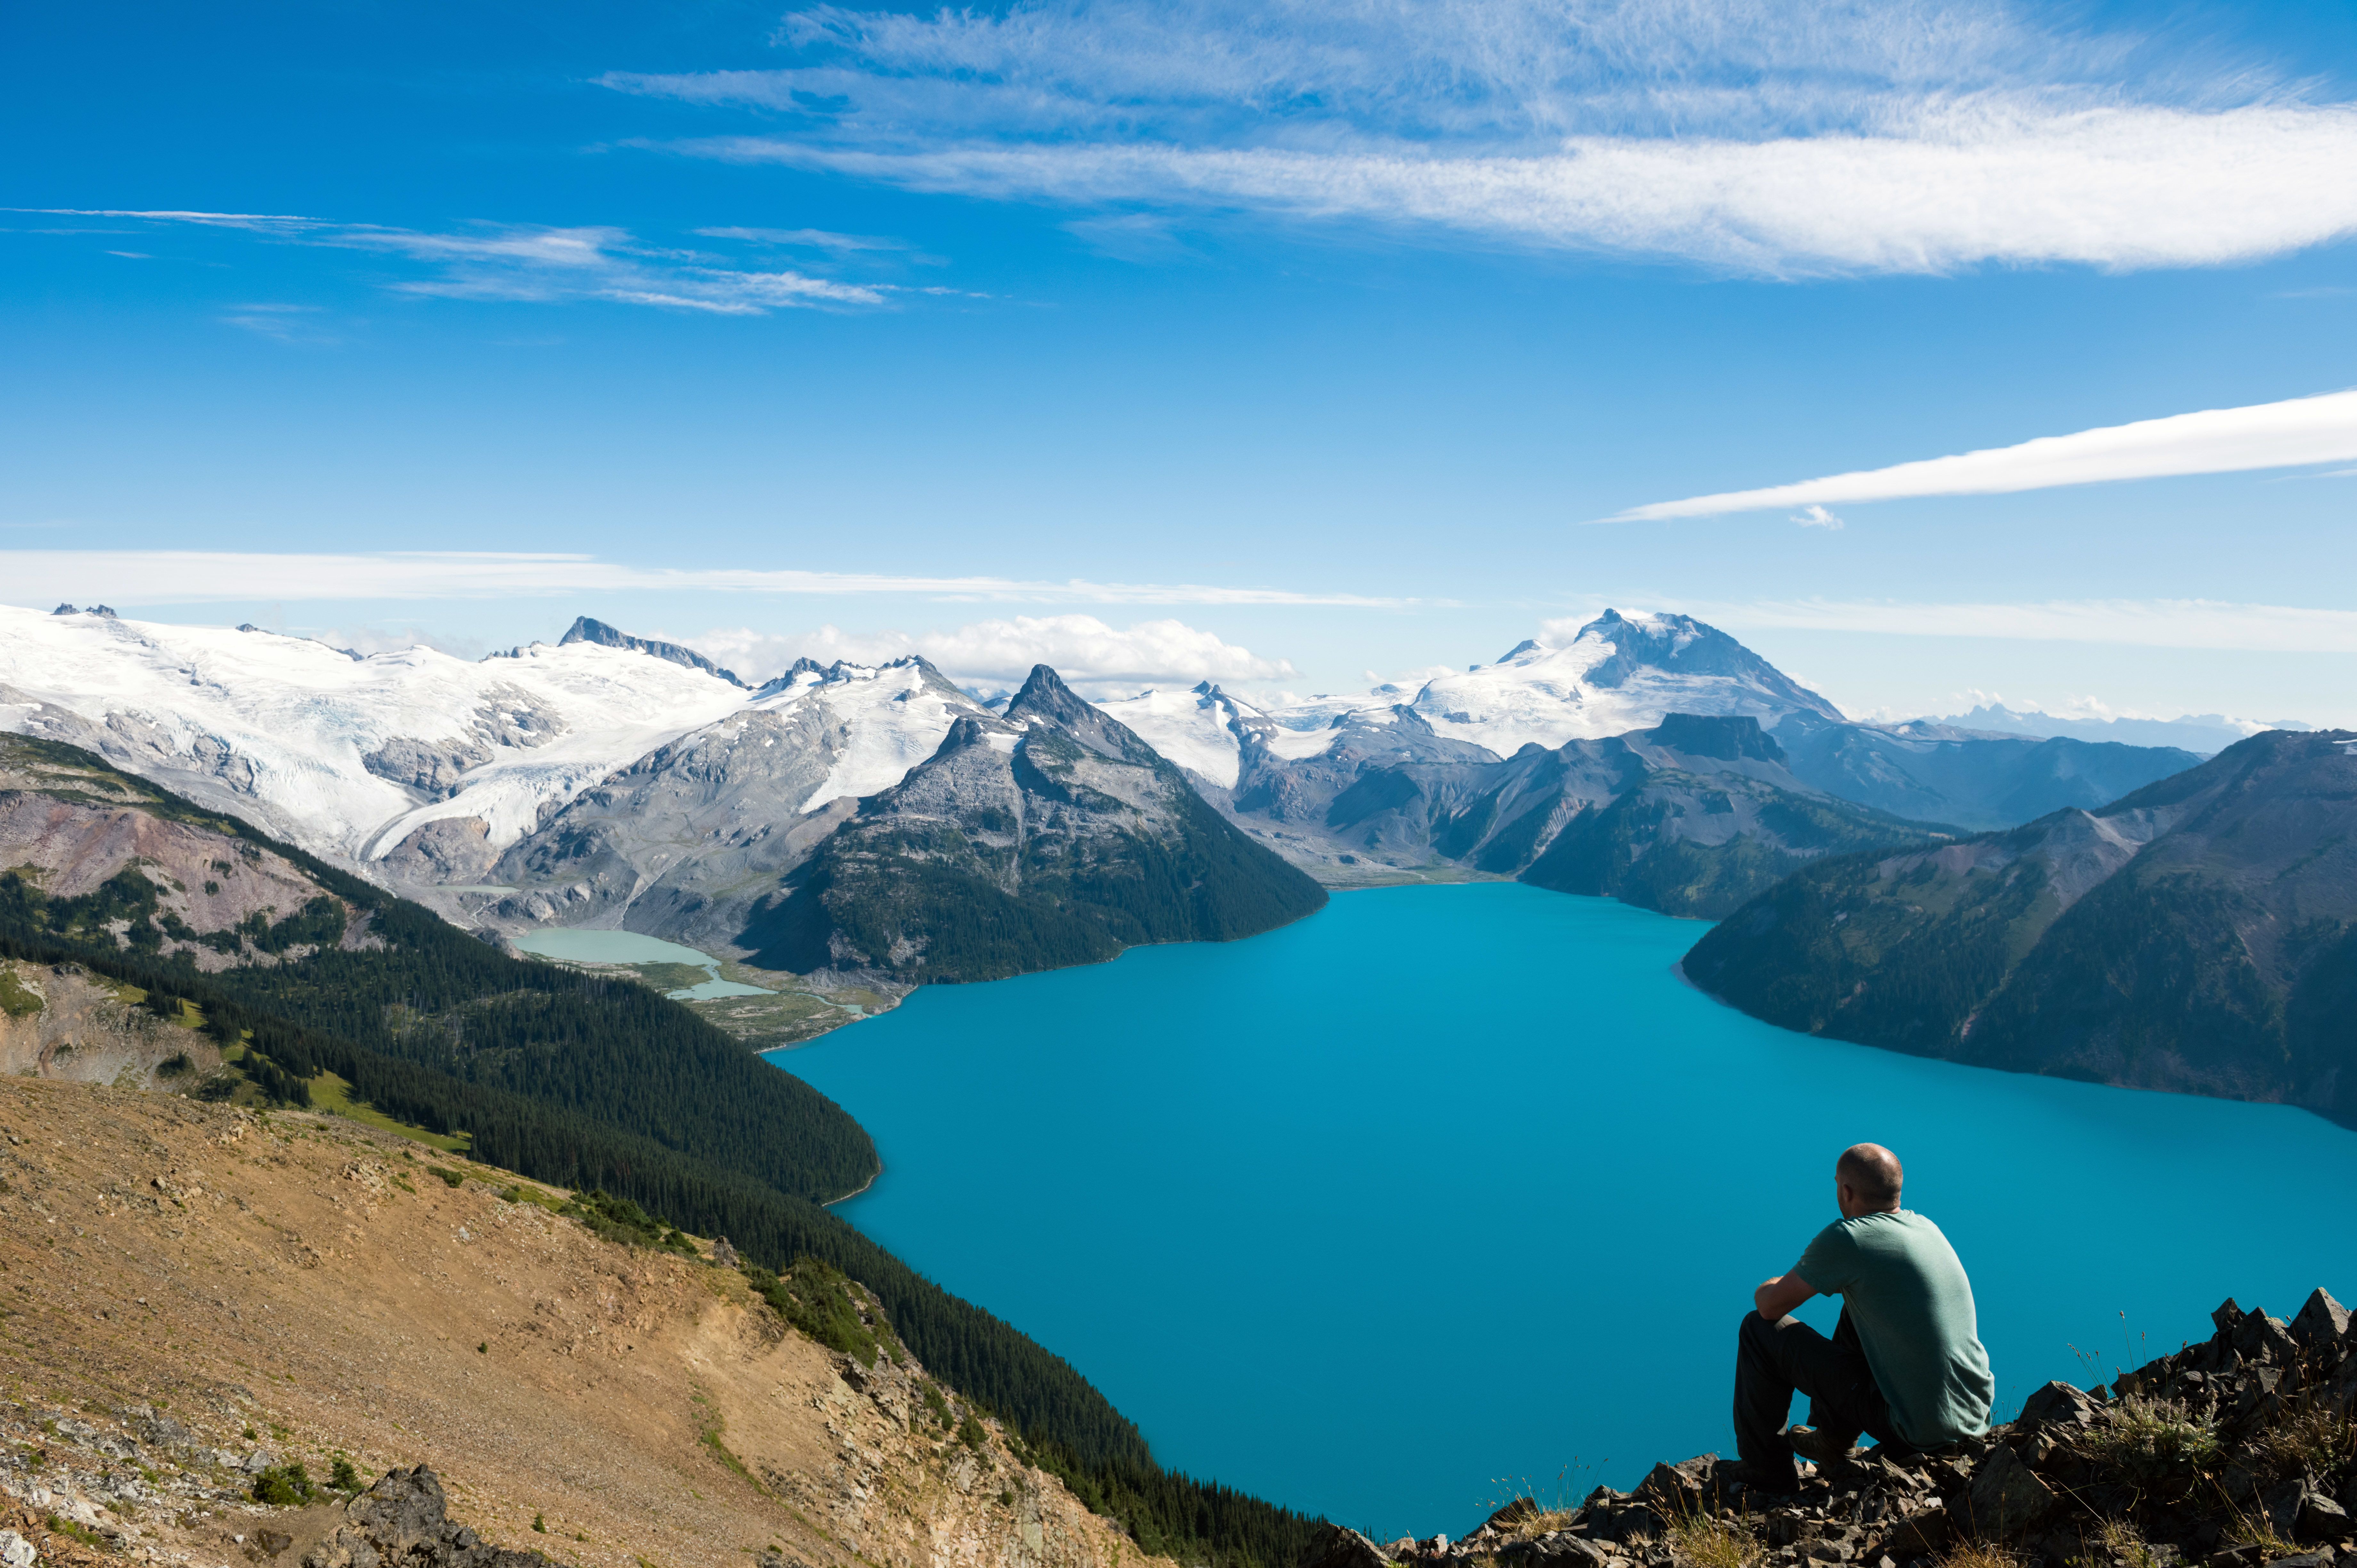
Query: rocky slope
2200	935
200	1297
2236	1453
88	850
1050	835
63	1021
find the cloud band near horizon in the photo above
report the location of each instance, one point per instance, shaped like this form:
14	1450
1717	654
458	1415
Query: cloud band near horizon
36	577
2296	433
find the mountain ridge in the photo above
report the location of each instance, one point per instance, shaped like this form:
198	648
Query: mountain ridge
2198	935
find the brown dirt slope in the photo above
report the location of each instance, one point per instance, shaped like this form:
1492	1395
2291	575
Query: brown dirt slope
190	1291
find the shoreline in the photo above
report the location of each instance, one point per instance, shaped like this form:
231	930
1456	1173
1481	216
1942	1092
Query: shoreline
863	1186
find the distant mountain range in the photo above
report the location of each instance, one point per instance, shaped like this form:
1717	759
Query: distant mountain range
2199	935
619	781
1488	771
2206	733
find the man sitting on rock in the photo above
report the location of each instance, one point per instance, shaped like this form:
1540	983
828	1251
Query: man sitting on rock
1905	1367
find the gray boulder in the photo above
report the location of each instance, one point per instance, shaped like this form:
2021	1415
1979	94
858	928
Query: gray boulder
404	1519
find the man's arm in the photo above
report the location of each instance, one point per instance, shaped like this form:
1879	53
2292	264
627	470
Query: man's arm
1778	1296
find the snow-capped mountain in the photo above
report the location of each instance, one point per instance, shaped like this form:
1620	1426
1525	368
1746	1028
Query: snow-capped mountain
1619	673
417	766
342	754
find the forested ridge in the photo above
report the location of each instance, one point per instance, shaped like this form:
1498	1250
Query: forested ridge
591	1083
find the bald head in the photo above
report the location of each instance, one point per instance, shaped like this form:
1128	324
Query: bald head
1868	1177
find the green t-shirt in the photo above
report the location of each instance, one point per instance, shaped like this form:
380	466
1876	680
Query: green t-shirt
1912	1307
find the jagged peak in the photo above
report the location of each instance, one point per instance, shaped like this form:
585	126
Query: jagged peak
585	629
1046	700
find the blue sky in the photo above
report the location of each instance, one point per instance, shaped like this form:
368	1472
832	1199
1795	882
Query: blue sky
1275	344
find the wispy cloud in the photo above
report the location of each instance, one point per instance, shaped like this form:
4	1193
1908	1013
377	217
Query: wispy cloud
521	262
286	323
2146	623
1098	658
1817	517
1785	139
2287	435
36	577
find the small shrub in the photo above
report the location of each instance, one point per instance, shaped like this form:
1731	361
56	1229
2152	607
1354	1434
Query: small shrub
939	1406
970	1432
252	1435
342	1476
283	1487
449	1177
540	1523
2148	1440
176	1064
59	1525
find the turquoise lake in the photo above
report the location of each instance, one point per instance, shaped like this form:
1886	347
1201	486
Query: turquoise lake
578	946
1449	1192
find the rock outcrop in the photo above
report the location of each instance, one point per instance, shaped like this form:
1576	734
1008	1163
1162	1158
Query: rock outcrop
404	1520
2237	1453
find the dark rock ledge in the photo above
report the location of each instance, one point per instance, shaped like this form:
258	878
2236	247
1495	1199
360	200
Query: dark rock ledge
403	1522
2239	1452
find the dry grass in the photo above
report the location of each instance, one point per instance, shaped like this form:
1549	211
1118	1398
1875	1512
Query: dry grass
2310	1441
1708	1541
1979	1554
2256	1530
1544	1522
2119	1542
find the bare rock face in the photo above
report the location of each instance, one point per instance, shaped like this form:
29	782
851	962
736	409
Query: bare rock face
404	1519
448	849
63	1022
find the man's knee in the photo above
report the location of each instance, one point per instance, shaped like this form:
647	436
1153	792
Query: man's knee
1756	1334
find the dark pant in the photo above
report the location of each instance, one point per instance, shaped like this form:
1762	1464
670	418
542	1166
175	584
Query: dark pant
1772	1359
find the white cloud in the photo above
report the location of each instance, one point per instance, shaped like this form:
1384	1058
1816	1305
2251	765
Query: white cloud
1817	517
997	655
2150	623
2118	187
39	577
522	262
1820	136
2214	441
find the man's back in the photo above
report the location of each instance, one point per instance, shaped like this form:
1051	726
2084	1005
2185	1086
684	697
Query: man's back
1907	1294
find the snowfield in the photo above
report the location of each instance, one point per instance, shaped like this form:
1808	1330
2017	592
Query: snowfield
887	718
281	729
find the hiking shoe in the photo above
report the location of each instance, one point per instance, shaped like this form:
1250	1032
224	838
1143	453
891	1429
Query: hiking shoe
1815	1443
1774	1480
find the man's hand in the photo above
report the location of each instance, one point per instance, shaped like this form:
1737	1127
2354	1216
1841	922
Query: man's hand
1776	1297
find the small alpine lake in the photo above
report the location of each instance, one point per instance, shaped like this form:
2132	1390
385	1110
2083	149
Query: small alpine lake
1450	1192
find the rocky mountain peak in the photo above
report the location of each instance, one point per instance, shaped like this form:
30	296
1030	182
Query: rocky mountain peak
1681	645
584	629
1046	700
